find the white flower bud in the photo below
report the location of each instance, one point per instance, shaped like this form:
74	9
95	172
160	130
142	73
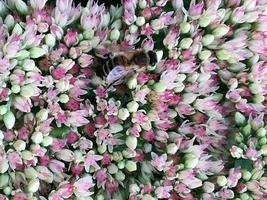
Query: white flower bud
33	185
65	155
47	141
27	91
115	35
133	28
19	145
101	148
28	65
221	181
4	166
37	52
185	43
208	187
142	4
64	98
191	161
37	137
112	169
140	21
132	106
4	179
236	152
115	128
132	83
9	120
30	173
17	29
131	166
159	55
15	89
27	155
42	115
50	40
185	27
123	114
131	142
7	190
172	148
3	109
62	85
220	31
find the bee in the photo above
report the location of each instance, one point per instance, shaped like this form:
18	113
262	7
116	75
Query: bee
121	65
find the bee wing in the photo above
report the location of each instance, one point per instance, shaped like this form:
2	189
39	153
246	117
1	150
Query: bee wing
116	73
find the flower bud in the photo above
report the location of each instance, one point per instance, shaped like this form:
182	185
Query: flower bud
255	88
117	156
133	28
256	173
131	142
37	137
3	9
30	173
236	152
88	34
33	185
191	161
121	164
123	114
7	190
112	169
262	141
140	21
17	29
258	98
117	24
15	89
159	87
42	115
142	4
28	65
115	35
244	196
264	149
220	31
3	109
64	98
130	166
4	166
4	179
239	118
132	106
105	20
205	20
261	132
185	43
120	176
101	148
21	7
27	91
185	27
207	39
221	181
147	147
159	55
157	24
9	120
172	148
37	52
65	155
246	130
50	40
27	155
47	141
204	55
19	145
223	54
62	85
115	128
208	187
132	83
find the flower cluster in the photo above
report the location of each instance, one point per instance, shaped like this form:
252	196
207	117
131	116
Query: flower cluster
191	127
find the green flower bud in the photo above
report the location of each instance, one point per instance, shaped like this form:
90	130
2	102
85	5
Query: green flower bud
15	89
131	142
244	196
37	52
120	176
27	91
204	55
50	40
117	24
114	35
19	145
142	4
255	88
132	83
258	98
247	130
121	164
99	197
115	128
132	106
239	137
131	166
261	132
21	7
191	161
239	118
28	65
42	115
246	175
37	137
223	54
123	114
207	39
7	190
256	174
117	156
220	31
262	141
133	28
221	181
140	21
33	185
47	141
3	9
30	173
101	148
17	29
112	169
172	148
64	98
89	34
23	54
4	179
264	149
3	109
204	20
9	120
159	87
147	147
185	43
254	59
185	27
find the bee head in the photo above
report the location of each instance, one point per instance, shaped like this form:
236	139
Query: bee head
140	58
152	58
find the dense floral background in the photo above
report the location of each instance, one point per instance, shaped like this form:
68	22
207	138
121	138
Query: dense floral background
191	127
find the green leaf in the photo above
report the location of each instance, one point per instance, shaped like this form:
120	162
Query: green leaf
244	164
60	132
